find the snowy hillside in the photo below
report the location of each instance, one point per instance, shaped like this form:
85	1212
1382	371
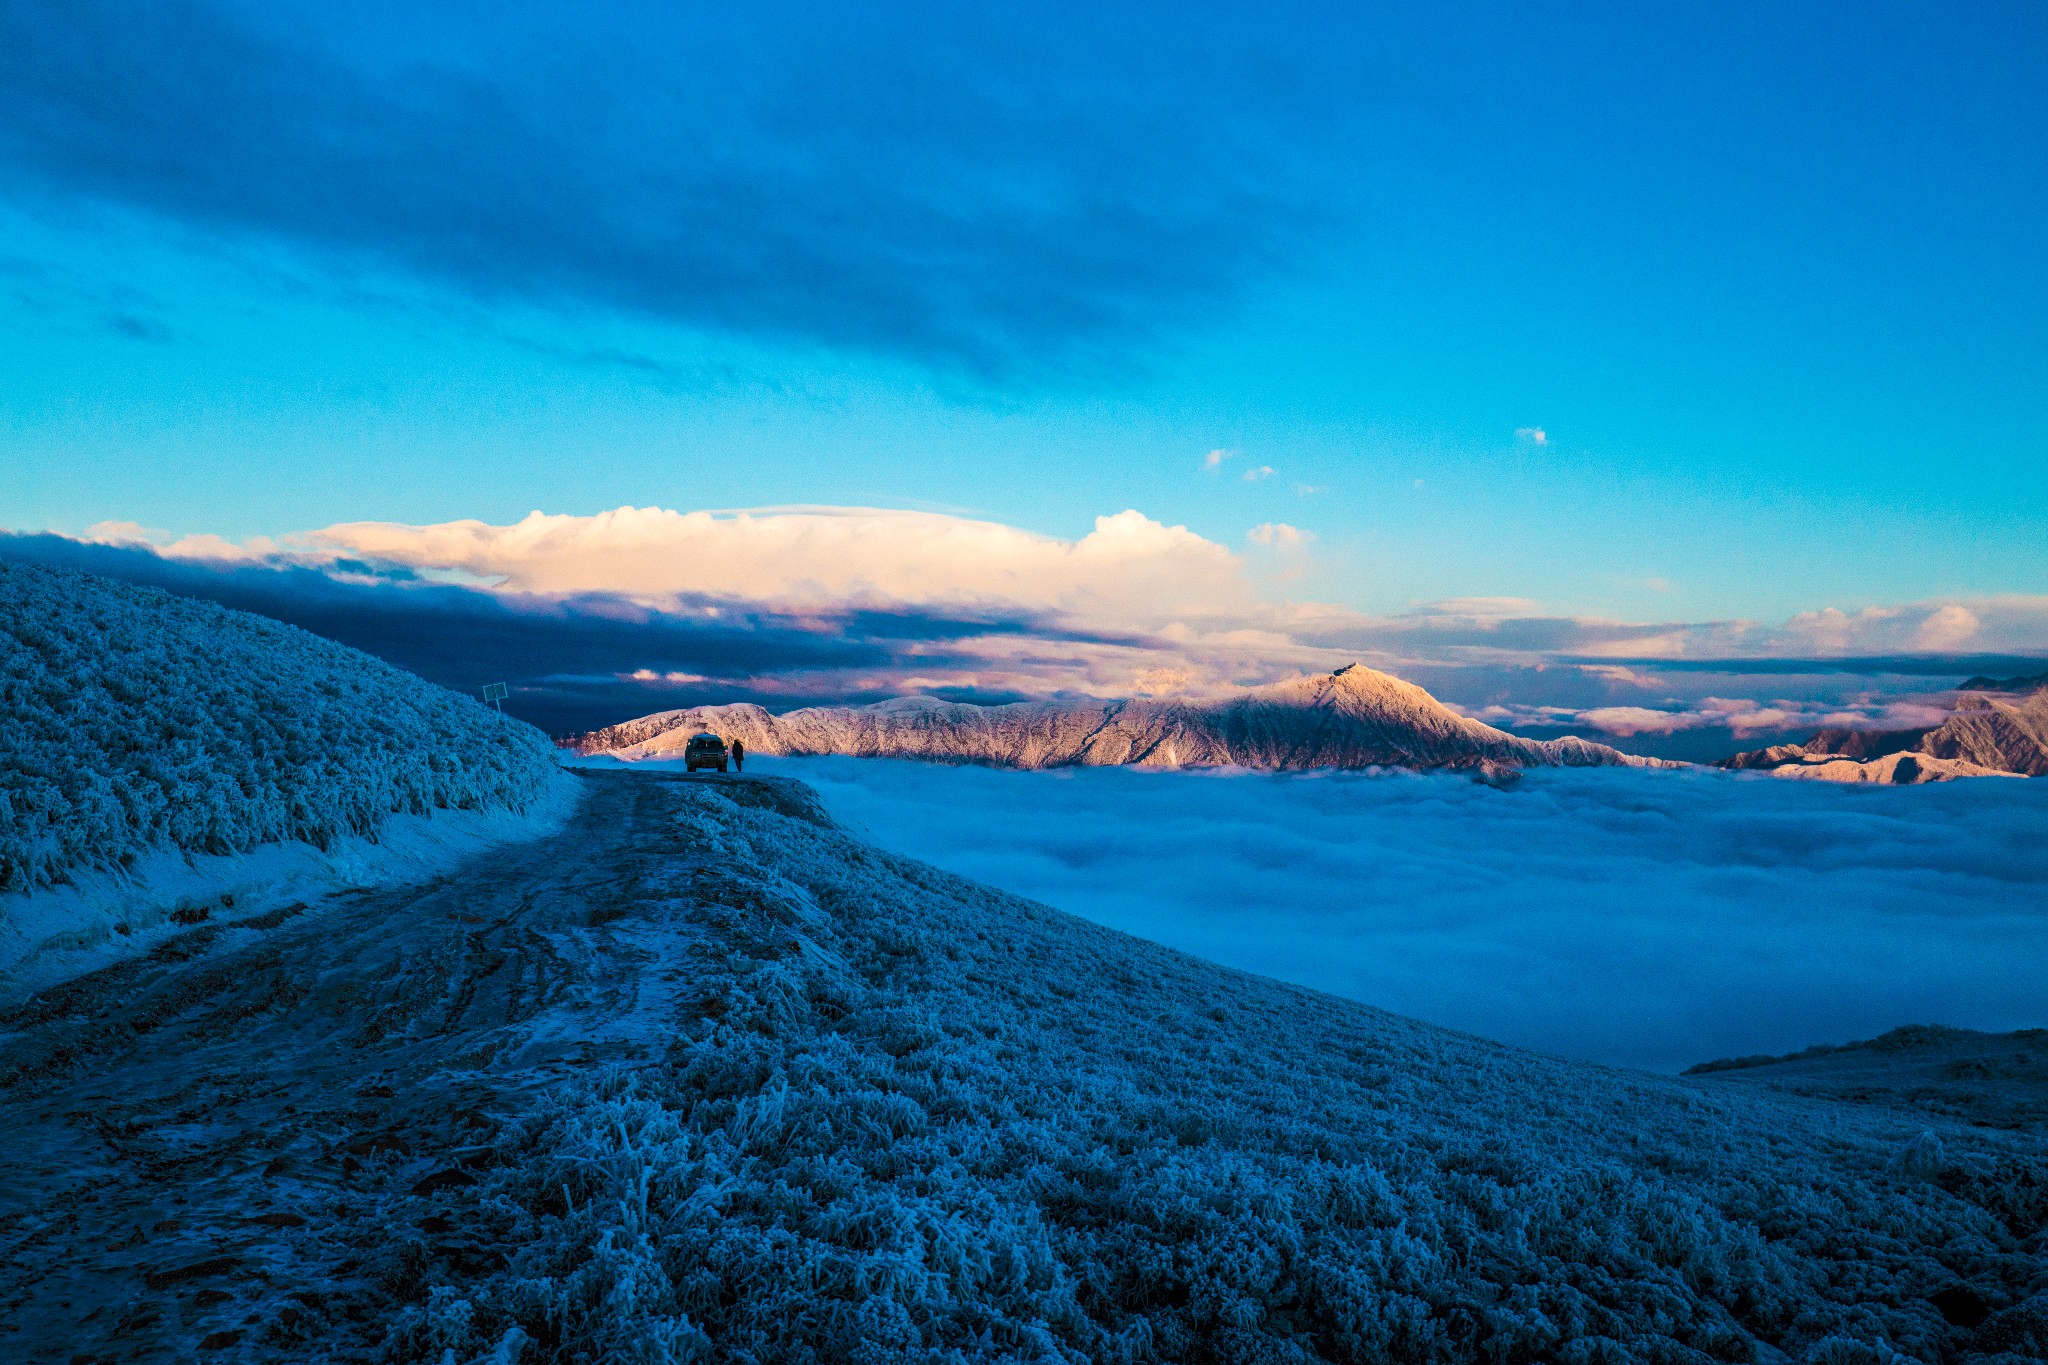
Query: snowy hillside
1988	735
704	1078
132	721
1353	718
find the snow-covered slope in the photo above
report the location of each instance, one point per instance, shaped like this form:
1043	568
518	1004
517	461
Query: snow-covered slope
1353	718
705	1078
1997	1080
1988	735
2009	734
132	720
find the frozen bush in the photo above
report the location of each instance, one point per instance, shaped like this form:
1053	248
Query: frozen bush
133	720
896	1116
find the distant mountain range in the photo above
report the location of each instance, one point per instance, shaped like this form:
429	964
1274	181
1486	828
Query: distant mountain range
1353	718
1988	735
2033	683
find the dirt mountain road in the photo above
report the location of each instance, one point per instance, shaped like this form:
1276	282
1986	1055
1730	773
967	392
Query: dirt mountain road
191	1138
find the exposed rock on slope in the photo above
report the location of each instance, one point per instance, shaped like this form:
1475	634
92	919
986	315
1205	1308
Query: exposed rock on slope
1353	718
1992	732
1902	770
1857	745
1987	736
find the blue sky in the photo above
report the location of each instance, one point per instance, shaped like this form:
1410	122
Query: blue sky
1767	280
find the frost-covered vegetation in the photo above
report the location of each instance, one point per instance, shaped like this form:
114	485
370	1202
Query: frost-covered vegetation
133	720
896	1116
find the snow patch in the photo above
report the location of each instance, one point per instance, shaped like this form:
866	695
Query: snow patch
105	916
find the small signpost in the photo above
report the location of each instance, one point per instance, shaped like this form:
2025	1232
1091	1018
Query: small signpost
494	693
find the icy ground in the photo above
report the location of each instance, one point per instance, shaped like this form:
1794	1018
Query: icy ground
166	761
101	916
702	1077
1652	919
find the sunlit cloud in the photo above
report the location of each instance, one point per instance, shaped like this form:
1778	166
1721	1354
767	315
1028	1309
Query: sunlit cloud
1130	568
1621	673
1535	436
1741	717
1216	457
1279	535
1948	627
1264	471
630	610
1479	608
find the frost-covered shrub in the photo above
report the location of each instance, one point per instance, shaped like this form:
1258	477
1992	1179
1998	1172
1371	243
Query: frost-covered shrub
899	1117
131	719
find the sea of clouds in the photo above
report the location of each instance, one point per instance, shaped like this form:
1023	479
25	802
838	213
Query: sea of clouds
1651	919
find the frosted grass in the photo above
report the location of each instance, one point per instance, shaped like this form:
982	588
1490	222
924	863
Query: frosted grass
896	1116
1649	919
133	721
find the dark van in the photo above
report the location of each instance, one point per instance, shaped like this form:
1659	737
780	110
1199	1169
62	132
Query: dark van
704	751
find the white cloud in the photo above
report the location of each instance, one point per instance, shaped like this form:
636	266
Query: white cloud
1480	608
1217	457
1638	720
1621	673
1163	682
671	676
1833	631
1264	471
1536	436
2009	623
1129	568
1278	535
1947	627
1741	715
1744	716
1753	718
1309	490
203	547
125	533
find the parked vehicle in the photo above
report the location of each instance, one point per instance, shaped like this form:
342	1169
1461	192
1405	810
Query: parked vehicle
704	750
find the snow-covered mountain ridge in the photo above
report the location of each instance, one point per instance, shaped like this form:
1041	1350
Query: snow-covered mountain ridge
1352	718
1988	735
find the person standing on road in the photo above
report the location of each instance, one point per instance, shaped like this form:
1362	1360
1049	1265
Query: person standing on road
739	756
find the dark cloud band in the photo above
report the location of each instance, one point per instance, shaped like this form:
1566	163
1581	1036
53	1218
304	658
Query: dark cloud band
947	186
571	660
